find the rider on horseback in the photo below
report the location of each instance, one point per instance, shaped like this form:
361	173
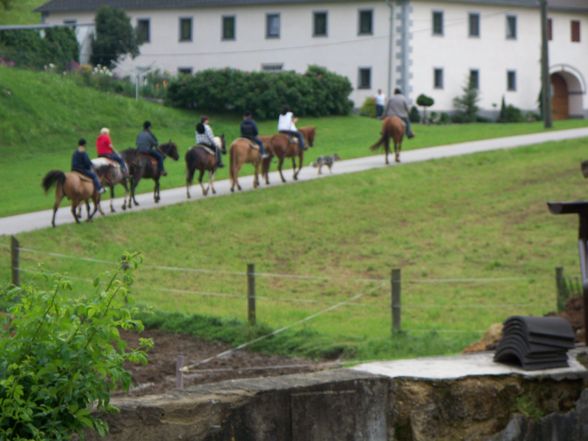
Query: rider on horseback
147	143
286	124
205	137
249	131
398	106
80	162
105	149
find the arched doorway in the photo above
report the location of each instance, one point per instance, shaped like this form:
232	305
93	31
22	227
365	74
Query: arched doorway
560	103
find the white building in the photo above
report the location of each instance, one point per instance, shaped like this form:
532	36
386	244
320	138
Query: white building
420	46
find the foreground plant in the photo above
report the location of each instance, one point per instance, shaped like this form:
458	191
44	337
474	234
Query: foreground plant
61	356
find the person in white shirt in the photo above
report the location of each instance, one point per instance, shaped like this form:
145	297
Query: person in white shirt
380	103
287	125
205	136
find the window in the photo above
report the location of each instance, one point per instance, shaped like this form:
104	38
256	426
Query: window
229	27
71	23
438	78
366	25
511	27
437	22
272	67
475	78
575	31
365	78
319	25
549	29
186	29
511	80
185	70
143	30
272	26
474	24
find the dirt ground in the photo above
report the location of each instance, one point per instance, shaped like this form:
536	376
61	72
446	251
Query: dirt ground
160	374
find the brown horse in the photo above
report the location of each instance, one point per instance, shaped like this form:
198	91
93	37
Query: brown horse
243	151
198	157
392	127
142	165
74	186
309	134
282	146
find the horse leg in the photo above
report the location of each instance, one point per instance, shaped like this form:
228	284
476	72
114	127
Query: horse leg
280	163
387	149
112	210
300	161
397	148
126	187
236	176
200	176
156	191
189	179
256	176
265	165
134	183
58	199
294	175
211	181
96	200
74	208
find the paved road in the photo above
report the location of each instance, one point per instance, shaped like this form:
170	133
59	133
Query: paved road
42	219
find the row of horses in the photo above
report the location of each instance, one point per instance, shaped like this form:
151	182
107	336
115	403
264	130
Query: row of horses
80	189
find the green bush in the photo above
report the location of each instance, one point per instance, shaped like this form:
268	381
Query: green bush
27	48
61	356
368	108
318	92
414	115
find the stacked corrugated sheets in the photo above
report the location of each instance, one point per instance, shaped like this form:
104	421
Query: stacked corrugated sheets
535	343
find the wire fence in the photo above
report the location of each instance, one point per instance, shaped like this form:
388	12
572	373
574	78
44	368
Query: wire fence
342	306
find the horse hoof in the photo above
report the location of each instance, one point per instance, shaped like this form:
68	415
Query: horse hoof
232	190
213	191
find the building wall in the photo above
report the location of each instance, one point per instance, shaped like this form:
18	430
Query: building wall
417	52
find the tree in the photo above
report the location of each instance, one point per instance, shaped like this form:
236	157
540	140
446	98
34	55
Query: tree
61	356
115	37
6	4
467	104
425	101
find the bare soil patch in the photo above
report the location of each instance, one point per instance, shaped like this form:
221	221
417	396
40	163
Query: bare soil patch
159	375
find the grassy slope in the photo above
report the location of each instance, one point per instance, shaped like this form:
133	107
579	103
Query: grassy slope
43	115
481	216
21	12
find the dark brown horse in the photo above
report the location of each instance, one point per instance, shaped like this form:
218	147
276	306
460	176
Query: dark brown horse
243	151
142	165
392	128
199	158
76	187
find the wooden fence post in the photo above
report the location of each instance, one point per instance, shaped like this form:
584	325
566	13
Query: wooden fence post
561	289
14	253
396	311
251	293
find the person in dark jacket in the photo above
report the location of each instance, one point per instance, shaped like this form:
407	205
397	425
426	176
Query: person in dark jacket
80	162
147	143
249	131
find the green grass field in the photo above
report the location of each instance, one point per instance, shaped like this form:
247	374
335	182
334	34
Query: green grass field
21	12
42	116
472	236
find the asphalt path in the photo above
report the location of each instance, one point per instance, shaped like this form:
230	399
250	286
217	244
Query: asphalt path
42	219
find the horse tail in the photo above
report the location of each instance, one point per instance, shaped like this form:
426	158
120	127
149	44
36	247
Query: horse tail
54	176
380	142
232	162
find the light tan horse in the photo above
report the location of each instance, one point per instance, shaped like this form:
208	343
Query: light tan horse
76	187
243	151
392	128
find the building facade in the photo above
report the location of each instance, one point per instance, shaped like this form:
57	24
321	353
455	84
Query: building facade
422	47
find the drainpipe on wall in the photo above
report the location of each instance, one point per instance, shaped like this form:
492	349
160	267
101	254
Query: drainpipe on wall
390	48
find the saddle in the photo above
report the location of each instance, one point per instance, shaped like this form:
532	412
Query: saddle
252	144
83	177
105	162
150	158
207	149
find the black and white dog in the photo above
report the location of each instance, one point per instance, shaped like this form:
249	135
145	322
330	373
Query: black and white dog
325	161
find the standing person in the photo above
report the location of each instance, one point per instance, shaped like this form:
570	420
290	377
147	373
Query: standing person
105	149
380	103
205	136
398	106
80	162
146	142
287	125
249	131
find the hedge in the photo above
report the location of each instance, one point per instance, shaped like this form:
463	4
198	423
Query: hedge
317	92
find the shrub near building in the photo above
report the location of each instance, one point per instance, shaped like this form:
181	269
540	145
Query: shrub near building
317	92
